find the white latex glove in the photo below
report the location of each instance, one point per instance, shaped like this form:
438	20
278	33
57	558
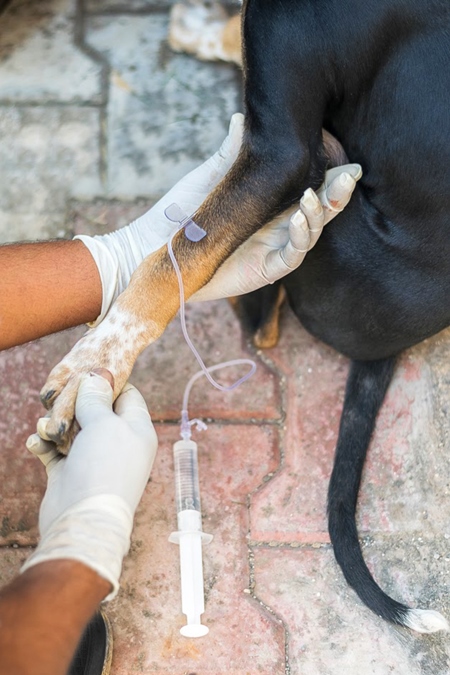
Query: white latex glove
118	254
269	255
281	245
92	494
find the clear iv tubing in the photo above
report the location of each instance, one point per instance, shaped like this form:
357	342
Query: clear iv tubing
185	423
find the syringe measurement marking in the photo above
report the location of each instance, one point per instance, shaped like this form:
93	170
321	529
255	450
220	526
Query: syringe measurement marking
188	490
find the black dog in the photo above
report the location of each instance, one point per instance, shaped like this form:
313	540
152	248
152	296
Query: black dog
376	74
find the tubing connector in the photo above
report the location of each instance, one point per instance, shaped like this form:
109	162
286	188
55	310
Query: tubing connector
186	424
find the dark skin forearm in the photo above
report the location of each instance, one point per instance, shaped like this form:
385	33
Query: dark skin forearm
43	613
46	287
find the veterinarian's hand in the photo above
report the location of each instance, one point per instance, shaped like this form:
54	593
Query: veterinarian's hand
92	494
280	246
118	254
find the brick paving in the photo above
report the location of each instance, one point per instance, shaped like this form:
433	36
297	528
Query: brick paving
98	119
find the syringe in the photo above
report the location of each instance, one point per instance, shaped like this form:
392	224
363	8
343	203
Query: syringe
189	536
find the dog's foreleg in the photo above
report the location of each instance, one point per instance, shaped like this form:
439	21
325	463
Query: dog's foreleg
251	194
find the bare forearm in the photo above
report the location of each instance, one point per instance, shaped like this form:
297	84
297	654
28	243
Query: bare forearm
43	614
46	287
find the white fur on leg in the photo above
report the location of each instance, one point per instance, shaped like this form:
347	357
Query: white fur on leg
425	621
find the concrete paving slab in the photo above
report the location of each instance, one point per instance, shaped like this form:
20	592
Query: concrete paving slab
11	560
331	632
244	638
123	7
102	216
166	112
39	61
437	354
291	506
23	371
105	6
47	155
399	490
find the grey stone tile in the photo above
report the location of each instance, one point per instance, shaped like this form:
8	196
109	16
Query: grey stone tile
331	632
407	470
11	560
100	6
166	112
16	226
438	355
103	216
146	615
23	371
47	154
403	486
39	60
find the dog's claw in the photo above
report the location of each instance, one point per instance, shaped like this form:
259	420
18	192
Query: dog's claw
58	435
46	398
64	436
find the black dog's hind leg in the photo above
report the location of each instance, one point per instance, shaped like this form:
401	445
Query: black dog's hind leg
259	313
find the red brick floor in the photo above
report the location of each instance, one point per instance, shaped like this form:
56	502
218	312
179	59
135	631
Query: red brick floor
276	602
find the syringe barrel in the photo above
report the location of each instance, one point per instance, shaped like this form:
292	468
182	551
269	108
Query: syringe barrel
186	475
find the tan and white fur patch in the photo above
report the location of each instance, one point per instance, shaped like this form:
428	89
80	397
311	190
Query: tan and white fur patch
207	32
114	344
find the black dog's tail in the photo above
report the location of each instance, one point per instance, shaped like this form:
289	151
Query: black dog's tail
366	388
